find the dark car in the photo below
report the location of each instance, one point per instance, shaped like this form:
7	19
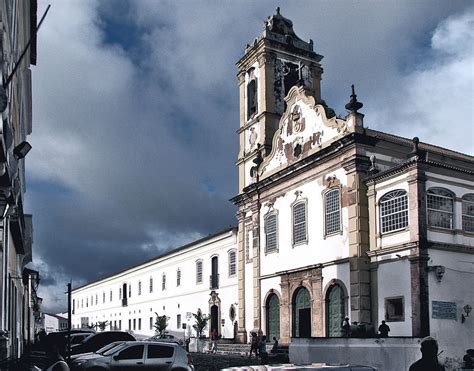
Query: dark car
99	340
58	340
136	355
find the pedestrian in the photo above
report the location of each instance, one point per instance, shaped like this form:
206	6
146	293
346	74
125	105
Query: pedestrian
429	356
384	329
55	361
275	345
214	338
253	344
346	327
262	350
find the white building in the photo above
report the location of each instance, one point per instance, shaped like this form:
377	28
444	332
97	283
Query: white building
198	276
54	322
334	220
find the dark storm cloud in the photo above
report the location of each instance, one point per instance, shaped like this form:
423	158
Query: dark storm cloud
135	114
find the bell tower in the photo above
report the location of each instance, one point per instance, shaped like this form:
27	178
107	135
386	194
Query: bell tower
275	61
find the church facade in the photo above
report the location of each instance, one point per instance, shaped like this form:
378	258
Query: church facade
334	220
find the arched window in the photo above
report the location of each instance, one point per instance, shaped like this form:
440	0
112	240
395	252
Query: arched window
271	232
440	205
232	263
120	293
92	300
110	295
151	284
103	297
468	213
252	97
139	287
129	290
178	277
199	271
300	234
393	211
163	282
332	211
96	299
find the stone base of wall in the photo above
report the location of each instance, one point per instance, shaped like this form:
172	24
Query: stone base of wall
387	354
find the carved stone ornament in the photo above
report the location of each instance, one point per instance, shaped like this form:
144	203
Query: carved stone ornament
252	137
297	118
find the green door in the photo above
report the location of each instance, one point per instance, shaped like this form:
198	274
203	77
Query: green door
335	310
302	314
273	318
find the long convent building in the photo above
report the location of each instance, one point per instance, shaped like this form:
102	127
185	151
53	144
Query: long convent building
334	220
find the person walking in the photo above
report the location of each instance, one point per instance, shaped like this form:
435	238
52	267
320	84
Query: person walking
384	329
253	344
429	356
346	327
262	350
214	338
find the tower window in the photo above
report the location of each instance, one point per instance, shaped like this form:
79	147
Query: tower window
252	96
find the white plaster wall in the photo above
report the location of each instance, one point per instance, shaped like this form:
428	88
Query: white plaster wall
318	249
340	272
183	299
394	280
456	286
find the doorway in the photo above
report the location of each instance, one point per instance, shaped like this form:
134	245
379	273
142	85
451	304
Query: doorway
301	314
335	305
214	318
273	317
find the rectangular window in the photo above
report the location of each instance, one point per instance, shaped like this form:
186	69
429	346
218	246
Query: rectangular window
130	324
139	287
468	213
134	323
178	321
394	309
120	324
332	207
110	295
139	324
178	277
151	323
199	271
271	230
440	209
151	285
299	223
163	282
232	263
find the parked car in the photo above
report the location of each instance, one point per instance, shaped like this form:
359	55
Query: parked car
166	338
102	350
58	340
98	340
136	355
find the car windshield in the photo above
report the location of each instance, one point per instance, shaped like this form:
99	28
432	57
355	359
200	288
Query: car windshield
114	349
107	347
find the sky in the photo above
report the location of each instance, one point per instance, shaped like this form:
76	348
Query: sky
135	112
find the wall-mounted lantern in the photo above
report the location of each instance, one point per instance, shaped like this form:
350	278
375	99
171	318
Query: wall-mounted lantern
467	309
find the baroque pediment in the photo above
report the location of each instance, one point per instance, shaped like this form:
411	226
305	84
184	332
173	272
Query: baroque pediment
303	130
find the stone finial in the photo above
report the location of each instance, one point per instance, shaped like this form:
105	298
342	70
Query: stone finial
278	10
354	105
416	142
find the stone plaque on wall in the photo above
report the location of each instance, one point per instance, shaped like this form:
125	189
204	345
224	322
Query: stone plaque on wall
444	310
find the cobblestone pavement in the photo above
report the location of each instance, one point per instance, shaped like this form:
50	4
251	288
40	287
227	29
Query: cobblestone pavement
212	362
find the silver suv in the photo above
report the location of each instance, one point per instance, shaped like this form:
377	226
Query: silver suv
136	355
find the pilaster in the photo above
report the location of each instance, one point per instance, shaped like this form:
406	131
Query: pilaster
257	296
356	170
241	332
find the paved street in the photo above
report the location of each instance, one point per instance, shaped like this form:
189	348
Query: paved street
213	362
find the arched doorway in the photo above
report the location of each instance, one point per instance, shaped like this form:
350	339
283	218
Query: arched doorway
335	309
273	317
214	318
301	313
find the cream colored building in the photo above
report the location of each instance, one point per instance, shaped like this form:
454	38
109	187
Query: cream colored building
334	219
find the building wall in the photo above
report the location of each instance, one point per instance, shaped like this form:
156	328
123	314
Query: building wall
184	299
